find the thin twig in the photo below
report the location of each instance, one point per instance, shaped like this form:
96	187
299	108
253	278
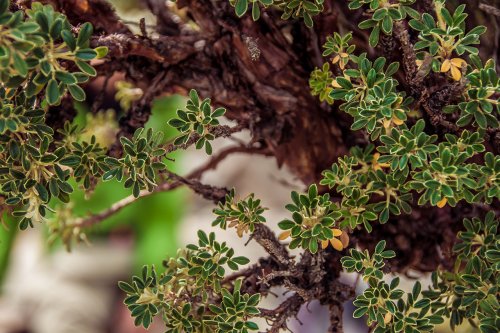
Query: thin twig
218	131
215	160
119	205
213	193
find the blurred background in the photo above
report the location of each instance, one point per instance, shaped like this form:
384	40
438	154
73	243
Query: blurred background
45	289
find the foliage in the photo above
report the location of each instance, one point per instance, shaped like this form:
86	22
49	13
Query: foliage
338	46
197	120
36	50
189	295
142	158
445	37
313	221
241	214
406	159
369	93
43	59
291	8
320	82
383	15
479	104
470	292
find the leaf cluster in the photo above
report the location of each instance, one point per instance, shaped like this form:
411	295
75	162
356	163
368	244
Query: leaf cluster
383	15
197	120
305	9
38	50
189	294
313	220
479	104
140	163
240	214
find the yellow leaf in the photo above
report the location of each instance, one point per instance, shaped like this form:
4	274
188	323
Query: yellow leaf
336	232
458	62
445	67
324	244
456	74
335	84
441	203
335	59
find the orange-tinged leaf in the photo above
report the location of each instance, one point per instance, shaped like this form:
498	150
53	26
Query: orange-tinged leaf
324	244
337	244
284	235
441	203
344	238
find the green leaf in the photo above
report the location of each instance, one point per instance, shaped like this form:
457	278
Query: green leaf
387	25
101	51
71	161
77	93
308	20
65	77
241	260
69	39
86	68
84	34
374	36
286	224
52	93
380	247
241	7
313	246
41	19
86	54
255	11
20	65
126	287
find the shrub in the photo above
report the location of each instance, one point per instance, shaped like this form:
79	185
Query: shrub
410	132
